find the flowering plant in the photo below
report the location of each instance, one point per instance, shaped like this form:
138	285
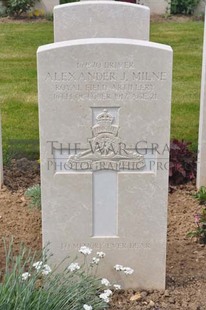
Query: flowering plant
200	218
201	195
30	283
200	222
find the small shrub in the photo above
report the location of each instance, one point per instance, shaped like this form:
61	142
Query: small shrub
201	195
8	155
34	195
182	163
17	7
49	17
36	13
200	231
200	218
30	283
185	7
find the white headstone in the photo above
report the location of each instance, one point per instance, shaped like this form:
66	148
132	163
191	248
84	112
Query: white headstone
104	107
201	162
1	157
104	19
46	5
200	9
157	6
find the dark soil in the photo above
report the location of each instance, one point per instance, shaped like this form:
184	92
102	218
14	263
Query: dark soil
186	271
154	18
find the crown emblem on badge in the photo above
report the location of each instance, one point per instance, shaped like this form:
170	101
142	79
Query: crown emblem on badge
104	124
106	151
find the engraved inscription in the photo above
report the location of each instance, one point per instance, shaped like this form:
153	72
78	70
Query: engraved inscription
107	152
105	81
108	245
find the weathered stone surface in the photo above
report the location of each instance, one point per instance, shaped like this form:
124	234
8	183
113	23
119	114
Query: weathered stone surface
109	101
101	19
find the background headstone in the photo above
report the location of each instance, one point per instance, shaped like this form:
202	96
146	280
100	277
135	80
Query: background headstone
46	5
1	156
95	95
156	6
200	8
201	161
104	19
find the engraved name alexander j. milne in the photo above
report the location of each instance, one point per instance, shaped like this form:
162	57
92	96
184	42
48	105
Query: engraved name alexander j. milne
103	81
107	151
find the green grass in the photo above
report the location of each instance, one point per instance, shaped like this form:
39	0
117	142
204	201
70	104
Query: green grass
186	40
18	85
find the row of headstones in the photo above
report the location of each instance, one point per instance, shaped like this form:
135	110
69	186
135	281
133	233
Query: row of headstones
156	6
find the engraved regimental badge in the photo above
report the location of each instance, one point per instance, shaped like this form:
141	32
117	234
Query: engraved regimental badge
107	151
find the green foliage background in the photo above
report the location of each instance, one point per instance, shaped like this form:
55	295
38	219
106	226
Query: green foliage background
186	7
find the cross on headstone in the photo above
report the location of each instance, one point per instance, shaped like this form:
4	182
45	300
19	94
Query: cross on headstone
106	157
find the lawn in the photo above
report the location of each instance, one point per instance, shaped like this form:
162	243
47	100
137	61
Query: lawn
18	84
186	40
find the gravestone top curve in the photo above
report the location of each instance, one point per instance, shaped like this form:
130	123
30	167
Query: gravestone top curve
104	19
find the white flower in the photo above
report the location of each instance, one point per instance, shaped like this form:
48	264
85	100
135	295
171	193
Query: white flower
73	267
104	297
101	254
86	307
108	292
95	260
85	250
46	270
117	286
128	270
105	282
118	267
38	265
25	276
